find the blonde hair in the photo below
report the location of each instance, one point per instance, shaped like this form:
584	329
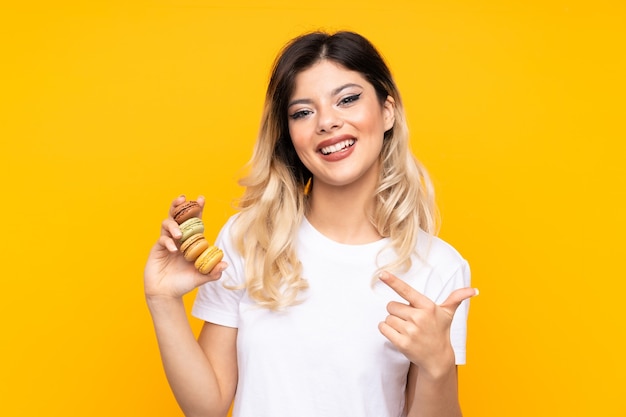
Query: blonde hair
274	204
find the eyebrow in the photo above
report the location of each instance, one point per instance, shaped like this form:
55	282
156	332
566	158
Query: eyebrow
333	93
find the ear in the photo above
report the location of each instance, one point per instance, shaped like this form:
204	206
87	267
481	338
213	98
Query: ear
389	113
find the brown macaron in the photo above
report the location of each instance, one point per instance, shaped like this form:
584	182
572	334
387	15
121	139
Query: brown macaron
194	246
208	259
186	211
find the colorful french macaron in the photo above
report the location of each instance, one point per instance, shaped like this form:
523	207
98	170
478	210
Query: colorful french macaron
194	246
208	259
186	211
191	227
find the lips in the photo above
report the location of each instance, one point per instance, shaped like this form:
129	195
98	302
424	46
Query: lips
340	146
336	148
336	144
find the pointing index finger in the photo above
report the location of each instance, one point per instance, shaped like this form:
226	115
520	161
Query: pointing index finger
404	290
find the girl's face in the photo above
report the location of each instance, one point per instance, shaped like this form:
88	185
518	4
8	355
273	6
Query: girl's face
337	124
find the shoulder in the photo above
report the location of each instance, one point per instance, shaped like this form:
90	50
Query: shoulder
435	248
439	255
439	268
225	235
225	241
228	224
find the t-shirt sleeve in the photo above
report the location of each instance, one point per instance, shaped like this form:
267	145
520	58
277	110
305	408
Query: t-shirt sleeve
216	302
460	278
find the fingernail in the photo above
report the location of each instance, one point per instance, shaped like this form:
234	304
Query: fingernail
476	292
383	275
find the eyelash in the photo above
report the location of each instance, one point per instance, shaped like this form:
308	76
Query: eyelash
350	99
345	101
299	114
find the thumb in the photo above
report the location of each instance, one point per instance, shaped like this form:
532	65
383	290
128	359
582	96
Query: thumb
456	297
213	275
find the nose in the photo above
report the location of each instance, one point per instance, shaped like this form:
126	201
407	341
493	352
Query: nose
328	120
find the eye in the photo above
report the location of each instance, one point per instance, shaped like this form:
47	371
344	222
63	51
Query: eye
300	114
350	99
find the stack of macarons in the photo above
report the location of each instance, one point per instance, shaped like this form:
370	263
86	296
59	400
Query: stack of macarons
194	247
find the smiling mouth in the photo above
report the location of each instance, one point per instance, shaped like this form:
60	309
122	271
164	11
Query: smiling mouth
337	147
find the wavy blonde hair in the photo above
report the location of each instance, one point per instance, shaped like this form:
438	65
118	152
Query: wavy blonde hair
273	204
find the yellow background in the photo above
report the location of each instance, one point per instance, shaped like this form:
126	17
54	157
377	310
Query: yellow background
111	109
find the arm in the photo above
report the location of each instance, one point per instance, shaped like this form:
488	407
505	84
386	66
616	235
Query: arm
428	396
421	331
203	373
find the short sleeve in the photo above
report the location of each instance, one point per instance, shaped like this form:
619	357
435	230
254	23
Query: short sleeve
216	302
460	278
448	271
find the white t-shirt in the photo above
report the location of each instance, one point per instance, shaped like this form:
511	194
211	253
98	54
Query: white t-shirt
326	357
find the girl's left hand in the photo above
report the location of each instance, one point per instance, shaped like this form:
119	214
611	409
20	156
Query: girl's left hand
421	329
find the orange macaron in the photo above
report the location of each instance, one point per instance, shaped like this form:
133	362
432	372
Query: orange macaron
194	246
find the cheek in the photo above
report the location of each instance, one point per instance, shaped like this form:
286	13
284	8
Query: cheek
301	140
298	138
369	122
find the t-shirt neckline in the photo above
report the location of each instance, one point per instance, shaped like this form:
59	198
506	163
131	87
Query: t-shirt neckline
312	232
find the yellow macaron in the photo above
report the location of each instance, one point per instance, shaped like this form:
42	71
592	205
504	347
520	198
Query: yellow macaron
208	259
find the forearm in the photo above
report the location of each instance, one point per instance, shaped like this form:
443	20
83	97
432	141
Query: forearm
189	372
434	395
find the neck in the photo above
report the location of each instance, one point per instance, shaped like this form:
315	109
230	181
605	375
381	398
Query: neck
342	213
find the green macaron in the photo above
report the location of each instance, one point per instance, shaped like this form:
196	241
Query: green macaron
191	227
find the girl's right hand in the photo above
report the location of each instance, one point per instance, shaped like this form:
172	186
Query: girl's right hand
167	274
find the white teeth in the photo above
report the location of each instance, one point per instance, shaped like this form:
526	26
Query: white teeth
337	146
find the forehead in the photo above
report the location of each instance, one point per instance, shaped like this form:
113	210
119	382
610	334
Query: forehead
324	76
